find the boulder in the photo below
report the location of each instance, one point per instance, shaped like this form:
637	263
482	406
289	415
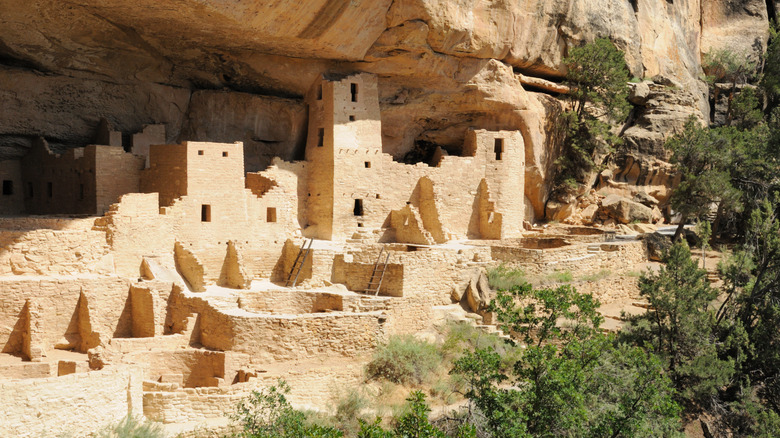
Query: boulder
645	199
643	228
478	293
624	210
589	213
657	245
639	93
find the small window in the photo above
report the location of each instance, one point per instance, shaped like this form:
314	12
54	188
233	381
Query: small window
205	213
367	164
377	196
353	89
81	192
320	137
358	210
30	191
50	189
8	187
319	91
499	148
200	152
270	214
224	153
351	118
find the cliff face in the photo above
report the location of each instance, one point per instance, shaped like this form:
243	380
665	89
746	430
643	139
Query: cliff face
232	70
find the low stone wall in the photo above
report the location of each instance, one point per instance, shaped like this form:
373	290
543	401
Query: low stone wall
291	301
517	254
427	271
611	289
28	370
271	338
614	256
166	403
409	315
72	405
267	337
312	387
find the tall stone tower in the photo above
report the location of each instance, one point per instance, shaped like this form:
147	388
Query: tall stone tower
345	132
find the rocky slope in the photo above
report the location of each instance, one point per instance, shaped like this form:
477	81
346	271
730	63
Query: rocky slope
230	70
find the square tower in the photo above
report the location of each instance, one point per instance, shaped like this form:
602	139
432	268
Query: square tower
345	131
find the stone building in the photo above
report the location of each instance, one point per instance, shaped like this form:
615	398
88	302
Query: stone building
81	181
352	184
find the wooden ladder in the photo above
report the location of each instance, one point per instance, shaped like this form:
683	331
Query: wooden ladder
378	274
300	259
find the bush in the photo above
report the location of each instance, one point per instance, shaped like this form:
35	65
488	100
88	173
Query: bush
268	414
463	337
504	278
404	360
132	427
560	277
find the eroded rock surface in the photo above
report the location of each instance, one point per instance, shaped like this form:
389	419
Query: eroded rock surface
237	70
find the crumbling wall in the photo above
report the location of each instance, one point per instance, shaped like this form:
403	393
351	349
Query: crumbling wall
234	270
116	173
577	259
31	246
190	368
189	267
135	228
63	311
408	226
81	181
38	407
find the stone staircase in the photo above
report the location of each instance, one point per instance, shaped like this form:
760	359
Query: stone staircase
713	276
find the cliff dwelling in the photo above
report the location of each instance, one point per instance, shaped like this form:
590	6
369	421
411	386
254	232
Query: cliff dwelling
201	199
183	281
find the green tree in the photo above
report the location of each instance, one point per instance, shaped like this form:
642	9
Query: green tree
572	379
770	80
752	279
597	76
726	66
701	155
680	326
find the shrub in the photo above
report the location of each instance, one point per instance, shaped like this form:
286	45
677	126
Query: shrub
463	337
560	277
504	278
602	274
405	360
268	414
132	427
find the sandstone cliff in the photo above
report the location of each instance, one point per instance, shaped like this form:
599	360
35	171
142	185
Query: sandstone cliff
230	70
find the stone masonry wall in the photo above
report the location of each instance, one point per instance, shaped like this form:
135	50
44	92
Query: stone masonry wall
73	310
34	246
73	405
614	257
